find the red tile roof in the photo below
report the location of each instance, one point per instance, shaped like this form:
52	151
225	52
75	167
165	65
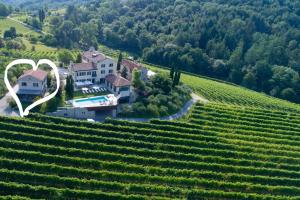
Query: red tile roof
95	55
83	66
131	64
117	81
38	74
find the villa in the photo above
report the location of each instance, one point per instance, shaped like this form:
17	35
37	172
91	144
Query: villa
98	72
101	70
119	86
31	84
131	65
93	70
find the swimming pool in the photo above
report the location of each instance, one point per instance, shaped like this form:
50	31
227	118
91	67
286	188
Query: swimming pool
91	101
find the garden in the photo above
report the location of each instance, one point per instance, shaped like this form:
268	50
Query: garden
161	95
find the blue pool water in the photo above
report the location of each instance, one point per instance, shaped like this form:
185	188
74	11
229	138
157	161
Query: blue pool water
92	99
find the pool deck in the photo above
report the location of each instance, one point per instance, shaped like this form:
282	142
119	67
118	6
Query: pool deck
92	103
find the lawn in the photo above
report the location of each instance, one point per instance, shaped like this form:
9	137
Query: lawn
38	47
6	23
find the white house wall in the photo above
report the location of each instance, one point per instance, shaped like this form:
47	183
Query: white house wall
99	75
30	80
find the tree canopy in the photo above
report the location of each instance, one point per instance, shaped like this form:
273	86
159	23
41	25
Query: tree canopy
235	40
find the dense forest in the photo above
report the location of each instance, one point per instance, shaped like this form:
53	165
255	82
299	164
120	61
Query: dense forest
254	43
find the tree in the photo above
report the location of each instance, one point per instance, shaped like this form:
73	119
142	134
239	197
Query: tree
87	34
65	57
137	81
42	15
176	78
79	58
289	94
4	11
131	41
69	87
120	58
163	82
172	70
249	81
15	44
11	33
263	73
124	73
2	44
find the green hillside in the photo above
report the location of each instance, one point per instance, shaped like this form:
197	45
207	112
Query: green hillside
6	23
224	150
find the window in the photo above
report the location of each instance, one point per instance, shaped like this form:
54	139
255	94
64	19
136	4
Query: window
110	71
102	71
111	65
103	65
24	84
115	89
94	74
102	80
89	73
123	89
35	85
82	73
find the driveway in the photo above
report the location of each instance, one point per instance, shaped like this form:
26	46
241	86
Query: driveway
5	109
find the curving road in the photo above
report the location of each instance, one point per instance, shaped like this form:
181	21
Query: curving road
5	109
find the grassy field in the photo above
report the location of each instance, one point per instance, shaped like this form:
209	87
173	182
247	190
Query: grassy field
6	23
39	47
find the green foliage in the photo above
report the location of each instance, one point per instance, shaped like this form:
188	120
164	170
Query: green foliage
156	97
69	87
65	57
137	82
34	22
79	58
120	58
227	45
42	15
10	34
4	10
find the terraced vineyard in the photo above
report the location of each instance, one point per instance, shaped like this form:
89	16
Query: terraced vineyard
222	152
41	54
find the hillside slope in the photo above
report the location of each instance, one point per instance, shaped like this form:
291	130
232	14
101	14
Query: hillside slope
225	150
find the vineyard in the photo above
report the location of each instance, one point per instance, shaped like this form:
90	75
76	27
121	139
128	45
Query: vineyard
222	152
240	145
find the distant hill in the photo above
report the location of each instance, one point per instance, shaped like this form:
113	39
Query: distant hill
32	4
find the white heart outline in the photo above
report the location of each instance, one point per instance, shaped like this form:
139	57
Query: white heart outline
34	67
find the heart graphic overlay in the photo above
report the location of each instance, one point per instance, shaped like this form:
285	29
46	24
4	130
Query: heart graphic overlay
34	67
